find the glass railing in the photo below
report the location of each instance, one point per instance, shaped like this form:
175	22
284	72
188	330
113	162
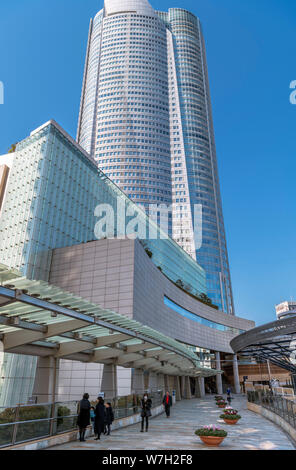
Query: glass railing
26	423
282	406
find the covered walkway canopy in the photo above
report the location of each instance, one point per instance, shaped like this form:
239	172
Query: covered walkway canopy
39	319
274	341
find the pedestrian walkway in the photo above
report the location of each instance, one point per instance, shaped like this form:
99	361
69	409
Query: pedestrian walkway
177	432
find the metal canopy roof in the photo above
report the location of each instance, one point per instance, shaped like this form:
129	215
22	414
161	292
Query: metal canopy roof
274	341
37	318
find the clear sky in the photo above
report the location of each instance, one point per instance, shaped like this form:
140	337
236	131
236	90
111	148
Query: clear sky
251	50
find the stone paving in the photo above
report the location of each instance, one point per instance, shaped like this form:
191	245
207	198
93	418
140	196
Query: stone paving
253	432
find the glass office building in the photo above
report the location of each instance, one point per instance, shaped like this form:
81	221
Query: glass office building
146	119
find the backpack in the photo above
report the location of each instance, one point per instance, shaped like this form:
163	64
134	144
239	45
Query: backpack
84	405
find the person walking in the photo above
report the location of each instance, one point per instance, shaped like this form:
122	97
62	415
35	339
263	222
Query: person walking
229	398
146	404
83	419
109	418
99	418
167	403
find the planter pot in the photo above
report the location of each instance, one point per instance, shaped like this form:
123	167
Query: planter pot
231	421
221	406
212	441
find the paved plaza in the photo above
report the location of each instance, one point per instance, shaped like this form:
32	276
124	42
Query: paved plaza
177	433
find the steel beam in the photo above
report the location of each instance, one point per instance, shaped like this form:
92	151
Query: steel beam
139	347
73	347
108	353
13	340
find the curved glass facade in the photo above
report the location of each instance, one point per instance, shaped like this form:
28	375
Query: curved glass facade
146	119
52	194
203	321
200	155
124	122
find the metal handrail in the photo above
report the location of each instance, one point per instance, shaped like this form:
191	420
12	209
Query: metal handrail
10	438
38	420
60	417
277	404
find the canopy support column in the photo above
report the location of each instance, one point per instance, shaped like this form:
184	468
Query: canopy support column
218	376
201	382
236	375
138	381
46	380
109	381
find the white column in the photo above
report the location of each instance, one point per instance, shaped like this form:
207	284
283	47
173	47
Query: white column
138	381
166	382
178	388
237	388
109	381
187	390
201	382
182	386
218	376
152	381
160	382
46	380
1	354
197	388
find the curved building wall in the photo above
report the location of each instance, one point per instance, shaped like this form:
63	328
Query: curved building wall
118	274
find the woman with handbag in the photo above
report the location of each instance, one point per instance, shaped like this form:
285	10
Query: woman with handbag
83	419
99	418
146	405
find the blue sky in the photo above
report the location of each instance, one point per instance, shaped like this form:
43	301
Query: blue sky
251	52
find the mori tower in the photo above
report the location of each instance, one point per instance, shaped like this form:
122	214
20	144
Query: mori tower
146	118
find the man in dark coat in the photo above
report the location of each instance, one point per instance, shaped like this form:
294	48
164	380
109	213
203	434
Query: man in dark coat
167	403
83	419
99	418
146	405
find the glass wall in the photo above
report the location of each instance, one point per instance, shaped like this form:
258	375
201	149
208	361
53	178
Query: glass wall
203	321
16	379
200	153
52	195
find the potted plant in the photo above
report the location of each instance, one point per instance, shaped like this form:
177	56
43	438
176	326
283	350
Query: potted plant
230	416
221	403
218	397
211	435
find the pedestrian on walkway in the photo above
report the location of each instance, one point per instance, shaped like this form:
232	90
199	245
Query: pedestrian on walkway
146	404
167	403
229	398
109	418
99	418
83	419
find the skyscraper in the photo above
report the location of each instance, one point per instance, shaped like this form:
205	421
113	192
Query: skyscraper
146	118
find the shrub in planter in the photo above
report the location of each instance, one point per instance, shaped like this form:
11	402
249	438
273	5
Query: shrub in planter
221	404
211	435
230	416
218	397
